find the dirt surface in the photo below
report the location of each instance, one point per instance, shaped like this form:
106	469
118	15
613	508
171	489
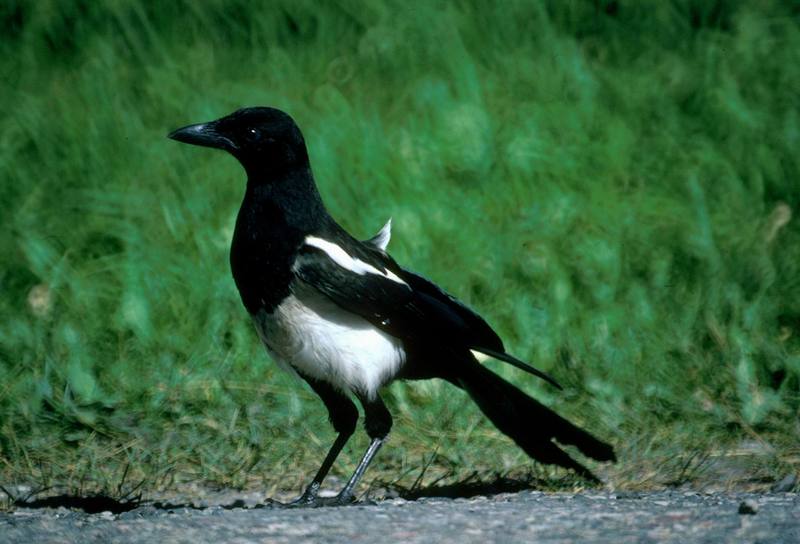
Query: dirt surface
527	516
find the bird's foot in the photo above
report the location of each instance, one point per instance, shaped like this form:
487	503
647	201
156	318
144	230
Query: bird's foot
342	499
308	500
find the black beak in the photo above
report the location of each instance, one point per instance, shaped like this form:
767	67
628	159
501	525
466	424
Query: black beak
204	134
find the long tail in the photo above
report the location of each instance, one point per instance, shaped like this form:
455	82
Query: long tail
529	423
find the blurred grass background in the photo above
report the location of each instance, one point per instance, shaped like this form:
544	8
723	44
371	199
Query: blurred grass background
611	183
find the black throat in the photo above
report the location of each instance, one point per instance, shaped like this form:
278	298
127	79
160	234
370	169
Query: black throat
278	211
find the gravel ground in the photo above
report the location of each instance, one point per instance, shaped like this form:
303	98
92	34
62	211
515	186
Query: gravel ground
520	517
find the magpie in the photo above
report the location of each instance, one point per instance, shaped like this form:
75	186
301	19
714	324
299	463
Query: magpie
341	314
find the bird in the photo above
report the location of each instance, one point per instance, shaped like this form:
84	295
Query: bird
346	318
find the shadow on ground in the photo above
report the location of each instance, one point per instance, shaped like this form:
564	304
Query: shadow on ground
93	504
479	485
469	487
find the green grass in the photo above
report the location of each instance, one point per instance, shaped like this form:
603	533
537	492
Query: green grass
612	184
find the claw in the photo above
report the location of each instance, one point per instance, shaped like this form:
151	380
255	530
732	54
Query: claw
312	501
302	500
342	499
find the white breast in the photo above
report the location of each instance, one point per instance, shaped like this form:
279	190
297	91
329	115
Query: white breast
316	337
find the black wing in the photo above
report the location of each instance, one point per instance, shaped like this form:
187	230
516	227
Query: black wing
484	339
401	303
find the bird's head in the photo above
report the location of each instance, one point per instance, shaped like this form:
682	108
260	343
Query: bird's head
264	140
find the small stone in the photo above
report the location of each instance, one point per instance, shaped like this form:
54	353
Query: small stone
748	508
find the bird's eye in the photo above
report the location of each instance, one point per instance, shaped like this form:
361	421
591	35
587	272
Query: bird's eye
252	134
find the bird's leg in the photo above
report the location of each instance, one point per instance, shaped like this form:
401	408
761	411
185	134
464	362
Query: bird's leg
309	496
343	415
378	423
345	496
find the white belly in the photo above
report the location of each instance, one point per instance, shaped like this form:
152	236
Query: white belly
314	336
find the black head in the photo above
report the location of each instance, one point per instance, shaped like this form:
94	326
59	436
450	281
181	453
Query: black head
264	140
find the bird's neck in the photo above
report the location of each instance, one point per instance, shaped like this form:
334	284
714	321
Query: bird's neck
276	216
291	194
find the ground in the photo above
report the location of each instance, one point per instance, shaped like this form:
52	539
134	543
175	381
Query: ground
527	516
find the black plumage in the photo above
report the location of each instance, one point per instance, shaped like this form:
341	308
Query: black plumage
346	317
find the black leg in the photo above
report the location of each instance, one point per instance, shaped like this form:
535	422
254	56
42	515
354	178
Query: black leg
343	415
378	423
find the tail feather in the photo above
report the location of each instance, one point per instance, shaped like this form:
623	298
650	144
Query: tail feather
529	423
513	361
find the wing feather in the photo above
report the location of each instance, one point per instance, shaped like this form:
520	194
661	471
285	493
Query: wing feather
381	239
399	302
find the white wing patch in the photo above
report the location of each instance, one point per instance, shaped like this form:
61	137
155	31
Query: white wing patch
381	240
345	260
481	357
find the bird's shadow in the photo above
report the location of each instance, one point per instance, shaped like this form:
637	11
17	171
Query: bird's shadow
95	504
466	489
91	504
469	487
473	486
